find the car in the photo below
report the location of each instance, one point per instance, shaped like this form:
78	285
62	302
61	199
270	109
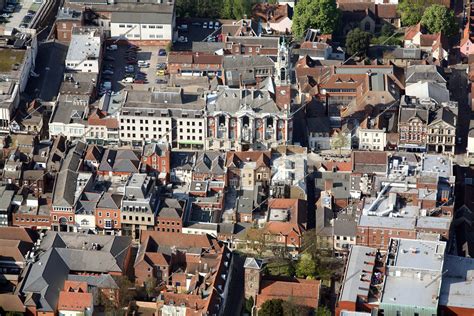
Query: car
140	81
211	25
6	15
204	25
216	25
161	72
109	66
112	47
160	66
182	39
162	52
109	58
128	80
183	27
24	25
107	85
108	72
162	81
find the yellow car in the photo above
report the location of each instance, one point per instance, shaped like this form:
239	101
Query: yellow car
161	72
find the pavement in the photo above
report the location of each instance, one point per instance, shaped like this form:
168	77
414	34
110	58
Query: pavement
145	53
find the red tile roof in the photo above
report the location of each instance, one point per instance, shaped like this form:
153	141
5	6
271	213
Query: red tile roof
411	31
74	301
344	166
302	292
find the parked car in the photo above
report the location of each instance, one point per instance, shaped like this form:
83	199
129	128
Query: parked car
109	58
161	72
161	81
128	80
204	25
162	52
140	81
160	66
211	25
108	72
216	25
112	47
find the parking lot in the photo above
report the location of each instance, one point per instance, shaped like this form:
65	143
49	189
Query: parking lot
18	15
194	32
123	62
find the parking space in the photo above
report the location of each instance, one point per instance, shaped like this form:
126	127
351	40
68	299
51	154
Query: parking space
195	30
18	15
127	65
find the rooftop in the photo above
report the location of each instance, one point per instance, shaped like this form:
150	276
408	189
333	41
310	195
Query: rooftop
84	45
456	288
11	59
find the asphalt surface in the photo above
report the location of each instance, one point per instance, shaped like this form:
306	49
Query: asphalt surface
235	297
50	68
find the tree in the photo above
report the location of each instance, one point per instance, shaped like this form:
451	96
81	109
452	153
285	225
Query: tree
323	311
226	11
257	239
290	308
357	42
125	294
387	30
317	14
150	287
249	304
437	18
306	266
271	308
411	11
241	8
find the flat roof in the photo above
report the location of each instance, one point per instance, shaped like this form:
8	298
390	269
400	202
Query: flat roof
415	265
360	263
10	57
437	163
388	222
457	287
433	222
84	45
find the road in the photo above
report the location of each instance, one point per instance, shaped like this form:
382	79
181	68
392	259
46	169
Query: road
235	297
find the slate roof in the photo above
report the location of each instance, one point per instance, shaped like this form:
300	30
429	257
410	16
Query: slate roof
417	73
446	115
319	124
232	100
119	161
210	162
110	201
252	263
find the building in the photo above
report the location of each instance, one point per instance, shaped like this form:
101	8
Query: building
67	19
290	169
262	288
372	139
246	169
119	162
75	299
195	64
166	115
239	119
139	205
413	123
62	254
69	118
108	217
273	17
156	158
18	52
85	50
379	281
442	131
245	70
467	41
319	131
102	128
6	207
170	215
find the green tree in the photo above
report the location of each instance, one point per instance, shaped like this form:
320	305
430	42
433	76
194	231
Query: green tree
387	30
306	266
411	11
226	11
249	304
271	308
150	287
357	42
317	14
125	294
323	311
437	18
241	8
291	308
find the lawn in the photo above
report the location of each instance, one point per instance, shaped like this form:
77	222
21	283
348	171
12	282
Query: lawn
9	57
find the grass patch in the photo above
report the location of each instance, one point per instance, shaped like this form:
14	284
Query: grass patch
10	57
35	7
